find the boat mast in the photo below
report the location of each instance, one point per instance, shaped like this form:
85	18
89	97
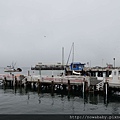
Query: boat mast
72	48
73	52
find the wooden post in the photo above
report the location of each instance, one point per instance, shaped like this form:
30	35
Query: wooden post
34	85
52	87
86	86
69	88
75	88
83	86
5	81
15	81
64	87
26	83
39	86
20	82
69	85
106	88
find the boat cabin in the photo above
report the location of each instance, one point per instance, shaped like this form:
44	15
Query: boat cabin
76	66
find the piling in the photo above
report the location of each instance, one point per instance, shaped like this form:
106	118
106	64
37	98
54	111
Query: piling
69	85
39	86
64	87
5	81
52	87
83	86
34	85
15	81
26	83
106	88
20	83
75	88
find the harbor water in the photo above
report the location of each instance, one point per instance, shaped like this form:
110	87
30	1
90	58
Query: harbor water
29	101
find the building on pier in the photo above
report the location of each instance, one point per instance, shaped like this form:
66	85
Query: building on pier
41	66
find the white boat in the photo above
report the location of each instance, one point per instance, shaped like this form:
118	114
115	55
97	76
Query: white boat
12	69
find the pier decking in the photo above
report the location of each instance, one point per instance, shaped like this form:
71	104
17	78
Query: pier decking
76	82
66	83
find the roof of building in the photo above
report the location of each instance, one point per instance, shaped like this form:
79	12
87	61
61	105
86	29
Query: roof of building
78	63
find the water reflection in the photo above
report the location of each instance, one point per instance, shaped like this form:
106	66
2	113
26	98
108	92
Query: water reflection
39	98
59	102
115	108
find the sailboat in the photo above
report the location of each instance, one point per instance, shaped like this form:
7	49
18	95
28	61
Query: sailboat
75	68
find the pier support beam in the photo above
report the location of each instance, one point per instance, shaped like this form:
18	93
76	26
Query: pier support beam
34	86
84	86
106	88
5	81
75	88
64	87
52	88
69	87
25	83
20	83
15	81
39	86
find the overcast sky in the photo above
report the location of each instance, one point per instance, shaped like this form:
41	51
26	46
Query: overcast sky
33	31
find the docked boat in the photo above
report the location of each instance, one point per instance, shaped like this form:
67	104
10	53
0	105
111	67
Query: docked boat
75	68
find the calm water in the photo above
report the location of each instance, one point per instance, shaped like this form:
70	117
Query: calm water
22	101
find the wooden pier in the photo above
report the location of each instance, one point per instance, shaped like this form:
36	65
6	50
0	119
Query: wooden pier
69	83
49	83
57	83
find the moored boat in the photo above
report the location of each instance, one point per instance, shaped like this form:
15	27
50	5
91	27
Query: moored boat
12	69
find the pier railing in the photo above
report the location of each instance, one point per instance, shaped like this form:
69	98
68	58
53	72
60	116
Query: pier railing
57	79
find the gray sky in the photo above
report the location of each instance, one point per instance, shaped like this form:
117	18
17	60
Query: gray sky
33	31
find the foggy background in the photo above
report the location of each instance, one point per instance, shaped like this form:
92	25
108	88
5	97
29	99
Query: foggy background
33	31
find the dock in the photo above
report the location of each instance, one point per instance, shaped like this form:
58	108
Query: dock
70	83
67	84
50	83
